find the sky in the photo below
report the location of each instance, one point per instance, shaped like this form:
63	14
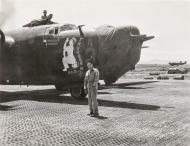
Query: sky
167	20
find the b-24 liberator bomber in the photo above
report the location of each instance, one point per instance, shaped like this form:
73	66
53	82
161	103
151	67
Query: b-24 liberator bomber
56	54
177	63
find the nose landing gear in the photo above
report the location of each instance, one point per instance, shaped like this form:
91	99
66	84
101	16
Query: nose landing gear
78	93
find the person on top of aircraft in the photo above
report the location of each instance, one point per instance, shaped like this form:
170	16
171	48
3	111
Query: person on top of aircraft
44	16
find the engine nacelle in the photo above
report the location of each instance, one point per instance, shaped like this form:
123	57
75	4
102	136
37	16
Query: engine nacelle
5	40
2	38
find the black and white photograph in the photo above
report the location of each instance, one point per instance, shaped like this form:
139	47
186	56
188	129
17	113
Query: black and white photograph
95	73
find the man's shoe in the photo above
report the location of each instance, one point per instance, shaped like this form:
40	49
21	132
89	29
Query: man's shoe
96	115
92	115
89	114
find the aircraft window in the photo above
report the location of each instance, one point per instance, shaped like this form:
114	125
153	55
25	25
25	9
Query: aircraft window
51	31
56	30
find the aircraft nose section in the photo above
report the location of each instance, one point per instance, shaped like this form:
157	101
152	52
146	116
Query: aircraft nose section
118	51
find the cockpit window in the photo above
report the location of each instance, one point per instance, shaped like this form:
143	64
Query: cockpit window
56	30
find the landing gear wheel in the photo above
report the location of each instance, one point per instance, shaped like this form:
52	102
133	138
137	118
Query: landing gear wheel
78	93
58	87
108	83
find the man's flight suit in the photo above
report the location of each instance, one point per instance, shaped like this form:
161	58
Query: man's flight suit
91	84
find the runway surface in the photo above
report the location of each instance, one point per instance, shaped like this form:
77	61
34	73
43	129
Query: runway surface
139	112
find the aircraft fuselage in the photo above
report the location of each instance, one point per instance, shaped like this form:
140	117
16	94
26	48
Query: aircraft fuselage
46	55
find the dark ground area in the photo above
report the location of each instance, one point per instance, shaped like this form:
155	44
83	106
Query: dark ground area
135	113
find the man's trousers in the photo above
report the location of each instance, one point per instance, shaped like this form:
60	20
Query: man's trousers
92	100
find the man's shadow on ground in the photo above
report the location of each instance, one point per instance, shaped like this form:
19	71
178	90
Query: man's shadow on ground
101	117
54	96
6	107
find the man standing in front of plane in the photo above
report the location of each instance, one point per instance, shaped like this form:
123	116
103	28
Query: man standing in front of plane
91	86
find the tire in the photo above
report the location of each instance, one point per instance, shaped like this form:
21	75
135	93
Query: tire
78	93
108	83
58	87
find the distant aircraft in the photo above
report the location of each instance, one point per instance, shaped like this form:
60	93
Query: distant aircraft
177	63
56	54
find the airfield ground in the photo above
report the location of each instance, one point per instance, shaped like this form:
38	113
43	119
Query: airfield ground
147	113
